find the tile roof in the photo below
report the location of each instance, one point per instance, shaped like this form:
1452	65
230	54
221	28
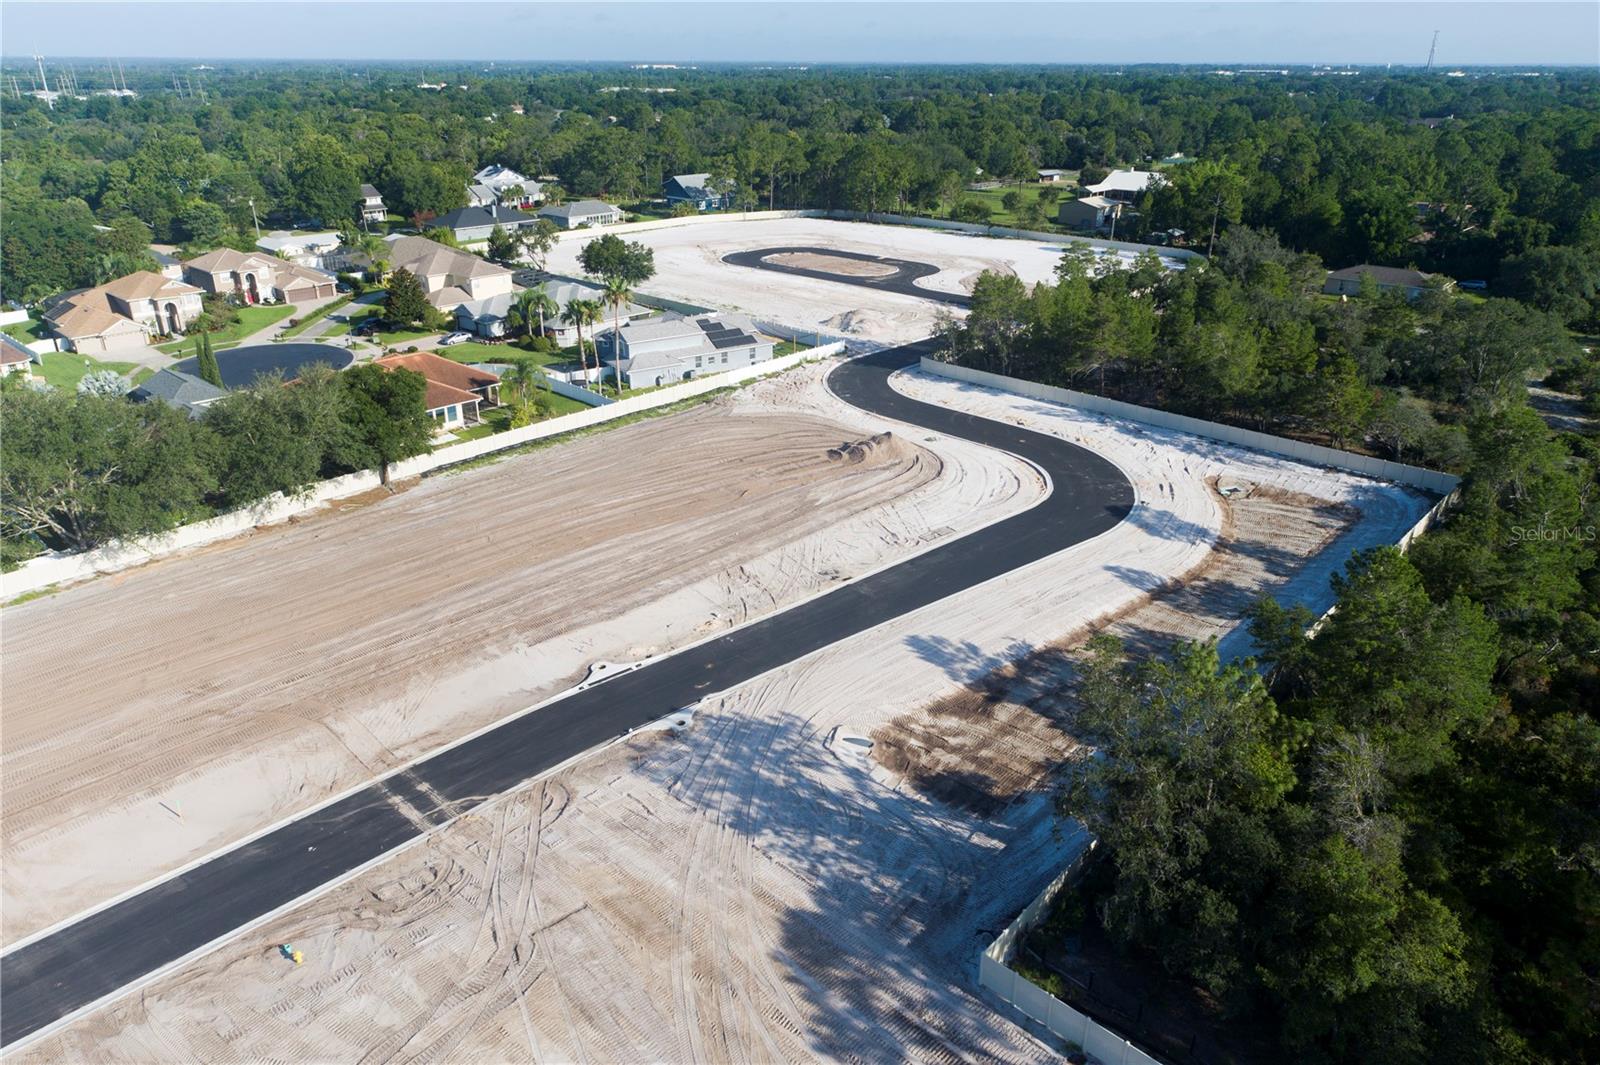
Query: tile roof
232	259
429	258
439	369
146	284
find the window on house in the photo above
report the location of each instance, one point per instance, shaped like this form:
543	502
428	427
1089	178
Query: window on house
724	358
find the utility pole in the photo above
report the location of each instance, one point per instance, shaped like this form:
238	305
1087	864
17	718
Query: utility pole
1432	48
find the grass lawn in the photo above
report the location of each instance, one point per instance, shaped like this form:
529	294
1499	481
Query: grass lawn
355	318
788	347
498	419
476	351
32	329
404	336
1030	192
64	369
251	320
316	316
647	210
141	374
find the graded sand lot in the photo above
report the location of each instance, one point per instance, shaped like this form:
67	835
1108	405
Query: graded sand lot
689	267
741	894
156	715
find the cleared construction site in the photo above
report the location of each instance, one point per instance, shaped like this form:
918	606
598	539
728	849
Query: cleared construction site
743	891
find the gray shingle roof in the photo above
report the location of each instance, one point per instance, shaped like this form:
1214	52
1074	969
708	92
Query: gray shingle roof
1383	275
473	217
579	208
178	389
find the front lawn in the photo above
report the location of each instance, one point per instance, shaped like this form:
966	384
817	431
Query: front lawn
64	369
316	316
251	320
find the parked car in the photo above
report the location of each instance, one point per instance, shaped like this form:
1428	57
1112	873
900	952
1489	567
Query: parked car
454	338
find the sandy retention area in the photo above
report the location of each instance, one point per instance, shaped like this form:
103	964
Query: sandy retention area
834	264
154	716
689	267
740	894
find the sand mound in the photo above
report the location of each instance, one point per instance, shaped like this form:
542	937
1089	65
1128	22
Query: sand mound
856	322
882	446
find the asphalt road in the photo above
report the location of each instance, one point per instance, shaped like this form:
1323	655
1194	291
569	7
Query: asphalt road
902	281
94	957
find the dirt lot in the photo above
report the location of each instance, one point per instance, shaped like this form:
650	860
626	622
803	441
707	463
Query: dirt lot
157	715
833	264
741	894
689	267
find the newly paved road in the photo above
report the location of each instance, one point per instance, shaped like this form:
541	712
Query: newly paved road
85	961
902	281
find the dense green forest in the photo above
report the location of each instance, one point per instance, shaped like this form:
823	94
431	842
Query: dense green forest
1336	166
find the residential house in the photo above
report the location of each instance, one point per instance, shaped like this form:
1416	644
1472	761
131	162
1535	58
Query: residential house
1125	185
487	317
1089	212
320	251
471	224
449	276
693	189
1054	177
255	277
124	314
481	196
582	213
1412	283
167	262
15	357
177	389
673	347
455	393
507	186
371	208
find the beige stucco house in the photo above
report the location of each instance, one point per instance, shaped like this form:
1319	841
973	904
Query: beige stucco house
449	276
255	277
124	314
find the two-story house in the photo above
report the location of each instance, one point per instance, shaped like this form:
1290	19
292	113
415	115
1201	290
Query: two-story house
693	189
124	314
503	185
255	277
449	276
370	208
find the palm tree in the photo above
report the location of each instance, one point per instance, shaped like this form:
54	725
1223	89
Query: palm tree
525	377
616	295
580	313
533	304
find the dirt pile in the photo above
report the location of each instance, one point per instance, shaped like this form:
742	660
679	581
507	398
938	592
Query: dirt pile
883	447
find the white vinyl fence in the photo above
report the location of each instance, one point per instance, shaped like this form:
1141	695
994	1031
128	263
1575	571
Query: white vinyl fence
969	228
996	974
1314	454
47	570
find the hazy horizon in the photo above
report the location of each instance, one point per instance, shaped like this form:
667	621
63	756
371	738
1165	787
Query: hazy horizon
1130	32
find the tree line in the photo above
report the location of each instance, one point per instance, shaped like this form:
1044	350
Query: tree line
1343	168
1251	339
80	470
1381	842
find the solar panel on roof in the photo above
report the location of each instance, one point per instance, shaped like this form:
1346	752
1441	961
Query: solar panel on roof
738	340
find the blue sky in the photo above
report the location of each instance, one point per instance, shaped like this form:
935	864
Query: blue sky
1107	31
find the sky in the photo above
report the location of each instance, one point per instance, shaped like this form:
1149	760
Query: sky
793	31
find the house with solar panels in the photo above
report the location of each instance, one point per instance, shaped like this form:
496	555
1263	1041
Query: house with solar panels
675	347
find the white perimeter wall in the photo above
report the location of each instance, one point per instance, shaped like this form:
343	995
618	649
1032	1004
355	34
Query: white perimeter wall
46	570
1315	454
973	229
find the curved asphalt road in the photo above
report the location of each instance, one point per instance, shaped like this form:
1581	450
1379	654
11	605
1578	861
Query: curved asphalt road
94	957
902	281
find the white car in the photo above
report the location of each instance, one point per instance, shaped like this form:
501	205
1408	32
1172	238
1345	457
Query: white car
454	338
